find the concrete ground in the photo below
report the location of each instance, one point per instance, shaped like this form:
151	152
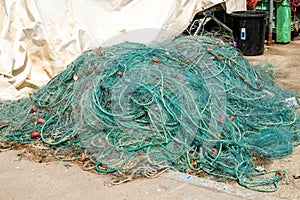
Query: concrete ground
24	179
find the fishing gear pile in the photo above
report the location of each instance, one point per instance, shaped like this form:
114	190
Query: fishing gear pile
193	104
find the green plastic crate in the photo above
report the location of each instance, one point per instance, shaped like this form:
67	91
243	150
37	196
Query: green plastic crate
262	5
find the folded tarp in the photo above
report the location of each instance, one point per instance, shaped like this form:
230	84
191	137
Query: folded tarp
39	38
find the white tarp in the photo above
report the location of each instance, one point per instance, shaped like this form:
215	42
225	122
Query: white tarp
39	38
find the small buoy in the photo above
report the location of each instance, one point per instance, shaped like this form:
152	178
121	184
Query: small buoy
280	173
119	73
222	118
82	157
214	150
35	134
34	109
155	60
41	121
219	135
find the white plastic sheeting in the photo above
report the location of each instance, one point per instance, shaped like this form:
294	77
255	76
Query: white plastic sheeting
39	38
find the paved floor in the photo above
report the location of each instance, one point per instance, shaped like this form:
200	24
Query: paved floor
24	179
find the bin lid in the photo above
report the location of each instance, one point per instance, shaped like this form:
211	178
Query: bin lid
249	13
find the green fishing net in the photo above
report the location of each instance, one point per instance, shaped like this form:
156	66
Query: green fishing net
191	104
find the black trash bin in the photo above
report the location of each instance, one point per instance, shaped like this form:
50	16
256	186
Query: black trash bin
249	30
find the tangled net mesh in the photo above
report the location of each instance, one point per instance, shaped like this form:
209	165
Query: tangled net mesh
193	104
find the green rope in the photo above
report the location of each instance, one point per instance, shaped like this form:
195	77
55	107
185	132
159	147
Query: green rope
193	103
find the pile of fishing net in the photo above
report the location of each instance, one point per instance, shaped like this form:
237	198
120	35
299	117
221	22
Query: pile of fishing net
193	104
